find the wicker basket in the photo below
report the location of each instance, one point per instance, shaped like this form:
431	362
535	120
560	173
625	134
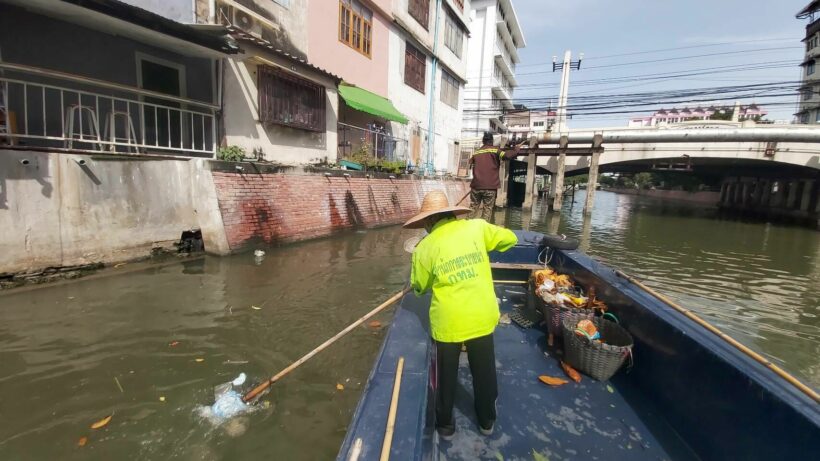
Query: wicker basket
554	314
596	359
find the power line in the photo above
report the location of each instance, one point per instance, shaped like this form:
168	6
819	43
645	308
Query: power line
661	50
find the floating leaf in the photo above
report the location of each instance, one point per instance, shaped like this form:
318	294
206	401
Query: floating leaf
173	343
610	389
340	387
538	456
256	308
83	440
199	359
102	422
374	324
161	398
571	372
552	381
119	265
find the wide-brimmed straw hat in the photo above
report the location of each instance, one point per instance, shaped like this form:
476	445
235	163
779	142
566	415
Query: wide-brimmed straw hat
434	202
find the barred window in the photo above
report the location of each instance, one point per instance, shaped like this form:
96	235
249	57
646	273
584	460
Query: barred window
449	89
415	67
460	4
356	26
453	36
285	99
420	10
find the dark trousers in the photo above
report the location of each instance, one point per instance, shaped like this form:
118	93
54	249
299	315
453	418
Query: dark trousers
483	203
481	354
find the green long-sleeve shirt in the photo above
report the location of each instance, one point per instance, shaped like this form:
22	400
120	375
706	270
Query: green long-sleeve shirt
452	261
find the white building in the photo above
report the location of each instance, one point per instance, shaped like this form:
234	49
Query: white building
427	72
495	37
809	111
521	124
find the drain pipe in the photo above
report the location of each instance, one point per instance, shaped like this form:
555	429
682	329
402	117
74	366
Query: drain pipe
431	132
211	11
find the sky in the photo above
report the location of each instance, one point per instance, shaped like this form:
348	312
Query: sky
738	34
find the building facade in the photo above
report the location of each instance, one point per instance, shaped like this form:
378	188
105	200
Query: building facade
522	124
688	114
353	43
809	108
427	73
495	37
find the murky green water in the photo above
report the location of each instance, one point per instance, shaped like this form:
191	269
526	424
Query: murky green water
62	346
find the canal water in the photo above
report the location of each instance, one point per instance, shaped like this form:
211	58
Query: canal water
147	344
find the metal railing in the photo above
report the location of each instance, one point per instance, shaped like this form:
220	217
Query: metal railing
80	113
378	144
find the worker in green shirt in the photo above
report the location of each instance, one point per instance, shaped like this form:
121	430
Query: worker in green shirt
452	261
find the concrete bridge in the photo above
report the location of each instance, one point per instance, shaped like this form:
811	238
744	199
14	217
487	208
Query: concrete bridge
786	158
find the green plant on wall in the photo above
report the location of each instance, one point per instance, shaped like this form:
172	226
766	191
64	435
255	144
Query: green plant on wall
231	153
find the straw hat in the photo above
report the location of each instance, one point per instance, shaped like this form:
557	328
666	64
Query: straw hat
434	202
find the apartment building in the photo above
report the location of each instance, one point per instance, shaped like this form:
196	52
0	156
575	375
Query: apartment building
809	108
427	73
495	38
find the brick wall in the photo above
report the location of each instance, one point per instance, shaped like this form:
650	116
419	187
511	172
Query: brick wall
268	207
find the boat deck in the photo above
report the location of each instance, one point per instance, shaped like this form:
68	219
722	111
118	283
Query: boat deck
586	420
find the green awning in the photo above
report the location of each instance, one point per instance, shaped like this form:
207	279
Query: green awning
365	101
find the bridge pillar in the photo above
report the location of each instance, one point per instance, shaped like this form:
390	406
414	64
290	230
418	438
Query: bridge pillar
779	198
530	188
808	191
724	188
766	195
559	175
501	198
593	173
792	197
747	193
760	186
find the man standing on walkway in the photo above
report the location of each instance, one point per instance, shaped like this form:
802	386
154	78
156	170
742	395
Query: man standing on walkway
485	163
452	261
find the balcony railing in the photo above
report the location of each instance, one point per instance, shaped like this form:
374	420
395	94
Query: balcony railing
49	109
377	144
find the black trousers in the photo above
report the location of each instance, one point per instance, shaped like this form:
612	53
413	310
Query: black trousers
481	355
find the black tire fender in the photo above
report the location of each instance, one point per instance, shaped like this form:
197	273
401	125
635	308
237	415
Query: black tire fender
560	242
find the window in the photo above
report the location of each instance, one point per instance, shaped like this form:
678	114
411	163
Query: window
285	3
538	124
449	89
415	67
285	99
356	26
810	68
460	4
817	117
453	36
420	10
807	94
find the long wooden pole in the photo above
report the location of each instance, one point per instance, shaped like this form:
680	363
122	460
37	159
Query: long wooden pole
261	387
462	198
754	355
391	416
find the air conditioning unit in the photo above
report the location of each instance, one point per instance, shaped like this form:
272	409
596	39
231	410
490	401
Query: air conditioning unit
242	19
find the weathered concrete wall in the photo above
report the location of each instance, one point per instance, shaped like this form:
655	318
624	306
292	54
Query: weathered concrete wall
56	212
270	207
704	197
281	22
281	144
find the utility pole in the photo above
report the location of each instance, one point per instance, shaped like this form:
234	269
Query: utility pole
561	124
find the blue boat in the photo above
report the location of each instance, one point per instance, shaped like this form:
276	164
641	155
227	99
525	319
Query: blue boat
690	394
